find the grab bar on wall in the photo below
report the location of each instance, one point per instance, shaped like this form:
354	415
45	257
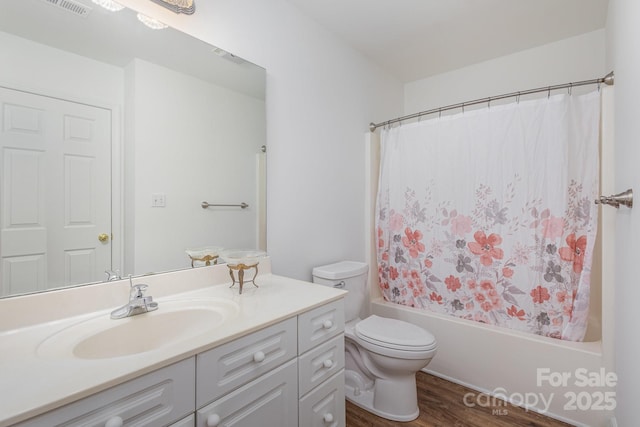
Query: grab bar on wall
625	198
206	205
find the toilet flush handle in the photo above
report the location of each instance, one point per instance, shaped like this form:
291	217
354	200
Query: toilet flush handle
341	284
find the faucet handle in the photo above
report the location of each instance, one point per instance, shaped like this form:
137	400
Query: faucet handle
137	291
112	275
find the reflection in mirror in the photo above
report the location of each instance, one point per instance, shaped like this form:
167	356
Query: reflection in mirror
112	136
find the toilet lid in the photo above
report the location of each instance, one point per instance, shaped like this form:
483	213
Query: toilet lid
393	333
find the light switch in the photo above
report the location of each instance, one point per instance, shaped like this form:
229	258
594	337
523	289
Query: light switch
158	200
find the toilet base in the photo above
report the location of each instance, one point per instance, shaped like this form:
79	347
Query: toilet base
364	399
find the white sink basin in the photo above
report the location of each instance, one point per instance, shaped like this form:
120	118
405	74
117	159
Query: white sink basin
174	321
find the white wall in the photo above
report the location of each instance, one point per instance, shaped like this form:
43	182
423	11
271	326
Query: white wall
623	56
192	141
573	59
45	70
321	95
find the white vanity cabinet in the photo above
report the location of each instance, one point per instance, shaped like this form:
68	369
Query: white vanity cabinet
321	366
289	374
155	399
285	375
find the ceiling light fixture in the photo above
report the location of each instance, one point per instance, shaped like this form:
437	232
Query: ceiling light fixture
151	22
178	6
110	5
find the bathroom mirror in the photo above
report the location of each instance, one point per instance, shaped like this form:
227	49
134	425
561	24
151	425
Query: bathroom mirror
113	134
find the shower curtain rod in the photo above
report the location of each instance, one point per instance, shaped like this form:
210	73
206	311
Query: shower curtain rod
608	80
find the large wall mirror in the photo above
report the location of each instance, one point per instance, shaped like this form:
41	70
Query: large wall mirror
112	135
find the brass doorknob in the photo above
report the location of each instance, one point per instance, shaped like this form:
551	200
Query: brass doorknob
104	237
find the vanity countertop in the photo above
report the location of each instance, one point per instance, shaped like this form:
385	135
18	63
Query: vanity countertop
31	384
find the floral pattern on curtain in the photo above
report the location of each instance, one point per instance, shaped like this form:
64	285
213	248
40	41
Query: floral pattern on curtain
489	215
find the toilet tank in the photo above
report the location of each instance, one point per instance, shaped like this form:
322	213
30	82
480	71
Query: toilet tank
350	276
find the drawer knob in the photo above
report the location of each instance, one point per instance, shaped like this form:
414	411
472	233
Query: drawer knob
327	324
114	422
213	420
258	357
328	363
328	418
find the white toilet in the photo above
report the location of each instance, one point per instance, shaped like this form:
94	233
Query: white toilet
382	354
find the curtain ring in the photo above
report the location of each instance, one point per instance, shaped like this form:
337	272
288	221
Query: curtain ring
518	98
463	108
439	113
570	88
548	92
599	86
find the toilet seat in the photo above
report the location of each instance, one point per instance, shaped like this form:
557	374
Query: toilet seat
391	336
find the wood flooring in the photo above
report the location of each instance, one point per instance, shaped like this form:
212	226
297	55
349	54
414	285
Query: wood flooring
442	405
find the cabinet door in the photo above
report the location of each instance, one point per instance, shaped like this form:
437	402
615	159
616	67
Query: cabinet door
155	399
324	406
269	401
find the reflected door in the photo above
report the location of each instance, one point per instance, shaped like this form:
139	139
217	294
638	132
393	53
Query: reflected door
55	195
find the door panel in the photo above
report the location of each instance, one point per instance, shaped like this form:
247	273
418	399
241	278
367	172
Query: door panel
24	274
55	198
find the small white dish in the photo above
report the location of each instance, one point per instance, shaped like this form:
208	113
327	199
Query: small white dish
235	257
205	254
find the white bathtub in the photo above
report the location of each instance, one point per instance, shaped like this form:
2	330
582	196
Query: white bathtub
524	368
505	362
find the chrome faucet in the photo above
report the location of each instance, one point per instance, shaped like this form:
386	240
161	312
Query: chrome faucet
138	302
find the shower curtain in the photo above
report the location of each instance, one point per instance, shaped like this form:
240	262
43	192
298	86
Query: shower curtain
489	214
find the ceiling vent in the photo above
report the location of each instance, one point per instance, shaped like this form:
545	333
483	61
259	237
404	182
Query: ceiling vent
71	6
228	56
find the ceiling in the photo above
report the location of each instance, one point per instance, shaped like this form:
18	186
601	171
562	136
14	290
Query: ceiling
118	37
415	39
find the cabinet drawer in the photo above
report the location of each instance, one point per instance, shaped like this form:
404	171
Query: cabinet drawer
269	401
155	399
225	368
320	324
324	406
320	363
